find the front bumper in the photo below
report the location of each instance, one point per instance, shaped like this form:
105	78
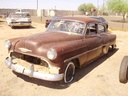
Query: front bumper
20	24
31	72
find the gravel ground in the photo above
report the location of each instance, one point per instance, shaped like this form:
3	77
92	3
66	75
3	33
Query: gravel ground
100	78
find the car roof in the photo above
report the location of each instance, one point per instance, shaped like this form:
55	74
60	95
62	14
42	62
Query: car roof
95	16
82	19
18	13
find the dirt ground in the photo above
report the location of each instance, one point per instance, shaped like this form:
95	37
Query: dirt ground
100	78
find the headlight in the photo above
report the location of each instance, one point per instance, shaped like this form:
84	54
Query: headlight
7	44
52	54
13	20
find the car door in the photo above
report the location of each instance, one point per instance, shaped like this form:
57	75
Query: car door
102	31
94	41
103	34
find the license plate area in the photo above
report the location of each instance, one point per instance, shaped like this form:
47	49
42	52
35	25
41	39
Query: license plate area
19	68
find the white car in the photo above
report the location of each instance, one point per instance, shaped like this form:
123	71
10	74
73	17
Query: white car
19	19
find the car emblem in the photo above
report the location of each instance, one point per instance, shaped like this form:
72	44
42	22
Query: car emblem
25	50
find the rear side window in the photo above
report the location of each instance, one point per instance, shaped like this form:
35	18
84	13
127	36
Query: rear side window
102	19
101	28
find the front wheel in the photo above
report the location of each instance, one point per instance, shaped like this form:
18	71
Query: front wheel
12	27
69	72
123	73
113	46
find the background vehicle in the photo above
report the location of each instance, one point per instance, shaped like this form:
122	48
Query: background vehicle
47	22
19	19
123	73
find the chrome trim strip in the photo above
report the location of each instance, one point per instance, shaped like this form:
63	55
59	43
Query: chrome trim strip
69	59
25	50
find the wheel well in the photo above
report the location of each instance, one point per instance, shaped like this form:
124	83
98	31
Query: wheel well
76	62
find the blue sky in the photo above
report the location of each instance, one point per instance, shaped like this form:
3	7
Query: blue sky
47	4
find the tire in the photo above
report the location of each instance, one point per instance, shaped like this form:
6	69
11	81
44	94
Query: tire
69	72
106	26
123	73
105	50
12	27
113	46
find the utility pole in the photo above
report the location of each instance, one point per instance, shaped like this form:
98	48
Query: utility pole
55	10
103	7
97	7
37	4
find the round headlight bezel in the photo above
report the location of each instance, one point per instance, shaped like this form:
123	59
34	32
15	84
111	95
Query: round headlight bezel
13	20
7	44
52	54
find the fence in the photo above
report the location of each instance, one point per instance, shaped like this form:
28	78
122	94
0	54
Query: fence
42	15
43	12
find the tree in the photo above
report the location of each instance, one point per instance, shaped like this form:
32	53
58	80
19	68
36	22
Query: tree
86	7
90	6
103	10
82	8
120	6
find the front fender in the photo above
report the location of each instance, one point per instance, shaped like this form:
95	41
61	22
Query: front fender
70	49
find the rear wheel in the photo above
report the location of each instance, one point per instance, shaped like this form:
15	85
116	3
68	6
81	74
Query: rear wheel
69	72
123	73
105	50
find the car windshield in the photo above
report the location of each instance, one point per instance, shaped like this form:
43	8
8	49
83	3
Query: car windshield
73	27
19	15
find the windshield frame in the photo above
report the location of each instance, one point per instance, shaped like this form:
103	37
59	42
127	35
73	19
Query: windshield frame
69	23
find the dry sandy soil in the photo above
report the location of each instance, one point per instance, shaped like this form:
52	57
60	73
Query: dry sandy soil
100	78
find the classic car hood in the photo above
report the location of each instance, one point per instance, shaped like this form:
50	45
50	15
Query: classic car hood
43	41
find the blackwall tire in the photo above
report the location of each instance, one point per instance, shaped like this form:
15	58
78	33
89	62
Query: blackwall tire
113	47
123	73
69	72
12	27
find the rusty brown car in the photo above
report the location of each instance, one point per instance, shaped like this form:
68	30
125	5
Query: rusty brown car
67	44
